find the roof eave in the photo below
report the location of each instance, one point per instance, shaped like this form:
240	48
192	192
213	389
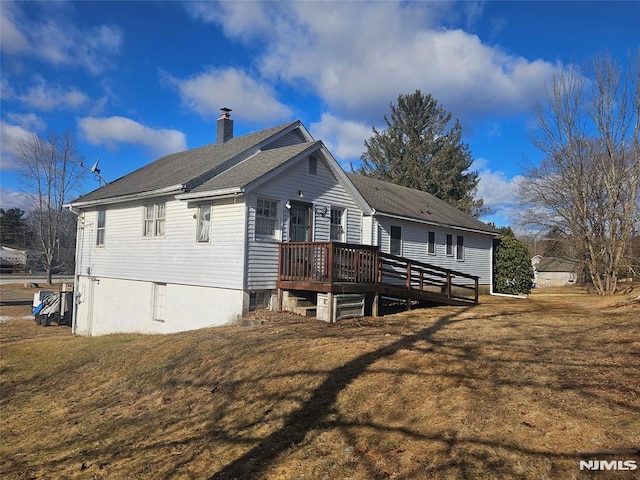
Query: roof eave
172	189
223	192
439	224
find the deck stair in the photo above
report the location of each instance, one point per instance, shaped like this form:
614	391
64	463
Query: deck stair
302	305
335	268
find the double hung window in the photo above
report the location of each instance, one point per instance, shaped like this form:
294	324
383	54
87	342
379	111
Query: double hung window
395	247
431	245
101	227
266	218
459	247
154	219
337	228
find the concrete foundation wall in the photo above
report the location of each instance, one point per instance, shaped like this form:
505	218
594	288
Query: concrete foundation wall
106	305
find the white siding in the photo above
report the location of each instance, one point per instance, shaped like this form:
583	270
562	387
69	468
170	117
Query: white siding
175	257
477	247
321	190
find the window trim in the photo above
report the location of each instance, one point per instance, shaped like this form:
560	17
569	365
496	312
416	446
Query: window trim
460	248
159	309
449	249
276	221
100	239
313	165
343	215
431	243
399	240
198	224
156	223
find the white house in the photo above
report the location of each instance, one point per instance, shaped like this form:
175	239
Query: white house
192	239
554	271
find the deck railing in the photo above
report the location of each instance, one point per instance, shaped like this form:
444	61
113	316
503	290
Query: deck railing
412	274
322	262
329	263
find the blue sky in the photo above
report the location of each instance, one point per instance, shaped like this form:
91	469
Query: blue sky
137	80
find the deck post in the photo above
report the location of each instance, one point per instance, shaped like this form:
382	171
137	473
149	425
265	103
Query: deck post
279	300
449	285
476	299
332	313
375	305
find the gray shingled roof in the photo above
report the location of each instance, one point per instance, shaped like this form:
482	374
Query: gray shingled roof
180	168
254	167
554	264
394	199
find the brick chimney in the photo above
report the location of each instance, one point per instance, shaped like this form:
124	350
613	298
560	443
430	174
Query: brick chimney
225	126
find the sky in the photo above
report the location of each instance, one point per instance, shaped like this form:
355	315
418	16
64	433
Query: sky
134	81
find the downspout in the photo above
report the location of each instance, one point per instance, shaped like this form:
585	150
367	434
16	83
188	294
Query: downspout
76	276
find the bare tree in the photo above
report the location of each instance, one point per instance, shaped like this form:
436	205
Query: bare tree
587	186
50	173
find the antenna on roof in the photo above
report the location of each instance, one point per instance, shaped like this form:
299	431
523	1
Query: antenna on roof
96	172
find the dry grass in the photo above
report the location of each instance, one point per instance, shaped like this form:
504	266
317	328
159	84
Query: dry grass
510	389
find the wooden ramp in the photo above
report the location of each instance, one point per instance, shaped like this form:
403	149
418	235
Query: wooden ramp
336	268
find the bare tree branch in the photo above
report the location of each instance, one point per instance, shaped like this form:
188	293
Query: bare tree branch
587	186
49	174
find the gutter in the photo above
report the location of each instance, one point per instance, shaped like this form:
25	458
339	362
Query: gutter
211	193
124	198
439	224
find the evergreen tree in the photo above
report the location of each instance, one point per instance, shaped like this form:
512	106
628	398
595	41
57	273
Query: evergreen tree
513	272
13	227
419	149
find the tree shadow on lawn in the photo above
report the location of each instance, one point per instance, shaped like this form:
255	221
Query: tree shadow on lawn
315	413
482	358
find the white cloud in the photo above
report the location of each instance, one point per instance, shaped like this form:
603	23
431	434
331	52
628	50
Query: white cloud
29	121
110	131
56	40
12	40
10	138
344	138
13	199
237	21
206	92
499	193
359	56
45	96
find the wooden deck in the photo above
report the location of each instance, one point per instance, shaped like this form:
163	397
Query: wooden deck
350	268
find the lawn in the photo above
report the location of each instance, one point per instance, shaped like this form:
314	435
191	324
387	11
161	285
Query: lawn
508	389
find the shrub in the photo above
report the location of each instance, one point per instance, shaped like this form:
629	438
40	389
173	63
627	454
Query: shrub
513	272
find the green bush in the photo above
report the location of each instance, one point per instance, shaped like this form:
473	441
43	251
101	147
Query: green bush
513	272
